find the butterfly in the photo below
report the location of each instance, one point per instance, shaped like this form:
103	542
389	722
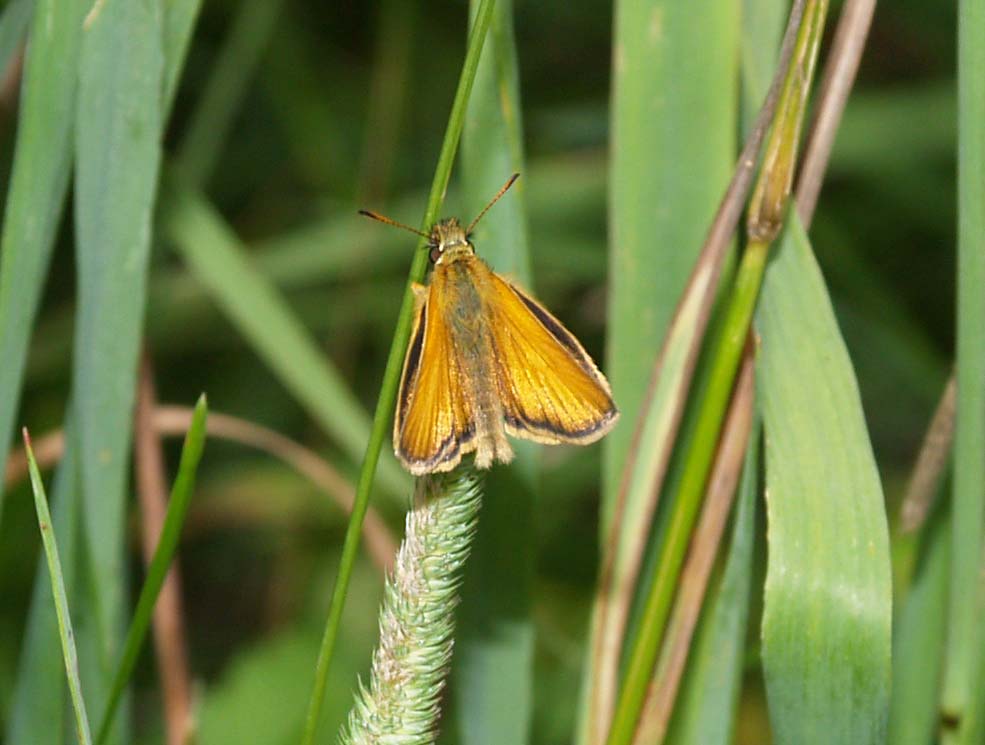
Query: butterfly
486	360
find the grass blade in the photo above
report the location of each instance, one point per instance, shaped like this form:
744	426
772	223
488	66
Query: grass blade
36	195
262	315
918	646
37	710
828	605
965	622
976	715
117	157
181	493
394	364
493	677
60	598
118	135
658	424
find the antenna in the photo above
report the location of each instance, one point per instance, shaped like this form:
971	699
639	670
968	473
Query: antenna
388	221
507	185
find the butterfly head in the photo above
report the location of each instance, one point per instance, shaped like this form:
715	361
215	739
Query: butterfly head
448	240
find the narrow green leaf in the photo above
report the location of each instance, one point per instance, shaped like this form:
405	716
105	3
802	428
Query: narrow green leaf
827	609
42	163
181	493
965	633
60	597
709	696
258	310
918	644
37	710
117	157
493	671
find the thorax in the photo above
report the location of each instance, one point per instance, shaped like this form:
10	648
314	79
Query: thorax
460	284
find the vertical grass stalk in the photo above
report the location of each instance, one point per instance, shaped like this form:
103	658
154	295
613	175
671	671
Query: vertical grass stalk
766	213
968	512
401	702
394	364
69	654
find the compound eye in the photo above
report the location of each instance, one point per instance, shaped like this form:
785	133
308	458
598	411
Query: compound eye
435	254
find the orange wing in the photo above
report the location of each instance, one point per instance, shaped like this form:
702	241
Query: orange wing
550	389
433	426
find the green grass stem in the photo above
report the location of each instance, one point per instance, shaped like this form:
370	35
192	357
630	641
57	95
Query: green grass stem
391	375
968	513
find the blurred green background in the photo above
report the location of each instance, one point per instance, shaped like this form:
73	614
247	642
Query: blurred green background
336	106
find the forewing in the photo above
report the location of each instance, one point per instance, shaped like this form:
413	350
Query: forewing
433	426
550	389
